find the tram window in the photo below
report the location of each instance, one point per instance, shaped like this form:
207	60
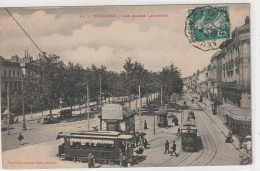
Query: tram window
97	144
108	144
75	143
161	118
85	143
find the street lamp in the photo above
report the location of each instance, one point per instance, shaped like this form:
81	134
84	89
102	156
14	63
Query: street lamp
24	124
100	102
60	104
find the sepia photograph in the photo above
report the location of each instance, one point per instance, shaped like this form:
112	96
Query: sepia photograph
126	86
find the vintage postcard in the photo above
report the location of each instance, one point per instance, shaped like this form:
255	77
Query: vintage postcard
126	86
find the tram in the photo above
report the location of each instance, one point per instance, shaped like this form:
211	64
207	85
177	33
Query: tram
189	133
103	145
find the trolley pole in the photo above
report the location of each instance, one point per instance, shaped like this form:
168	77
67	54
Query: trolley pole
88	106
140	119
100	104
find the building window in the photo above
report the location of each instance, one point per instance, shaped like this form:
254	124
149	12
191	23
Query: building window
10	74
13	73
5	73
18	74
241	48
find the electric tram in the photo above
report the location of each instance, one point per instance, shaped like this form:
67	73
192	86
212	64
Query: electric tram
103	145
189	133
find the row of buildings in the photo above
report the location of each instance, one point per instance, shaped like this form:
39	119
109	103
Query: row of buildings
226	81
13	70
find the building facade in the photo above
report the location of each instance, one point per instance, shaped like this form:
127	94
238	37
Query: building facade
13	70
233	81
235	72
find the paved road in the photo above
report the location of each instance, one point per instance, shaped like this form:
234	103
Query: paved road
38	133
214	152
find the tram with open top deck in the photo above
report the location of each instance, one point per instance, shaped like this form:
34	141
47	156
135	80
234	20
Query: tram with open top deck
103	145
189	132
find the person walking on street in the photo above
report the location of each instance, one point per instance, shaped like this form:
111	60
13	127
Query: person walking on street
20	138
174	149
91	161
145	143
179	131
145	124
167	146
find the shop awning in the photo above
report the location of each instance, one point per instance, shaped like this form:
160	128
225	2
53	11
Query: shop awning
237	113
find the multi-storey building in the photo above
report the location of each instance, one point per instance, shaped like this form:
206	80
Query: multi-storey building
212	77
13	70
233	80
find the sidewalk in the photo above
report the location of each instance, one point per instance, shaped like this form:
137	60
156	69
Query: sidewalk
206	107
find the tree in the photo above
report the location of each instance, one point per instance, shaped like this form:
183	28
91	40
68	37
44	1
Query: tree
171	81
46	81
136	76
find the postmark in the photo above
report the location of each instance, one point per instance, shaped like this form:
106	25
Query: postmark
207	27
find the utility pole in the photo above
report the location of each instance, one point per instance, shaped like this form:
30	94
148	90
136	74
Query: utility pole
8	106
24	124
161	96
88	106
154	123
100	104
140	123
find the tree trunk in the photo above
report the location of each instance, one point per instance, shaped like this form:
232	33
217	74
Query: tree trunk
51	112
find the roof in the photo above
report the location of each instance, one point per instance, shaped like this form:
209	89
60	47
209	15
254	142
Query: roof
96	135
237	113
114	111
6	112
162	111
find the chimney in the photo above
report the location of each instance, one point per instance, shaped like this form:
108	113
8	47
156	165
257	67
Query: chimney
247	20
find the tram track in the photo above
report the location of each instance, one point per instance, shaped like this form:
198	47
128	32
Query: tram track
208	145
209	149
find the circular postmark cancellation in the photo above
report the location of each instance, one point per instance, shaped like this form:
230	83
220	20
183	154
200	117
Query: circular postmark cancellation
207	27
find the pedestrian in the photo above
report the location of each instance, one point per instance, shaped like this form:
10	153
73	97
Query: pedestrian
20	138
145	124
136	141
176	122
145	143
91	161
167	146
174	149
173	121
179	131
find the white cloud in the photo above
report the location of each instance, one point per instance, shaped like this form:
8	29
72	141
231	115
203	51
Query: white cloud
155	42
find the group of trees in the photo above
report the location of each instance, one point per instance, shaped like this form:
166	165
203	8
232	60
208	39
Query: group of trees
51	80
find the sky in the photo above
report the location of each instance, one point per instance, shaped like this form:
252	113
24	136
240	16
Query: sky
155	42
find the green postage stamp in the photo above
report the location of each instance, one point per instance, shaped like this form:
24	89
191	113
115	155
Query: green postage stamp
206	27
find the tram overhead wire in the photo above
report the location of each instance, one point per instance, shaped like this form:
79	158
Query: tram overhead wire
24	31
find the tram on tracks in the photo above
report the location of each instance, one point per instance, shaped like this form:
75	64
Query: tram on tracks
189	132
103	145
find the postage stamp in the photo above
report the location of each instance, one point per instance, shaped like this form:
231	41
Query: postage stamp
207	27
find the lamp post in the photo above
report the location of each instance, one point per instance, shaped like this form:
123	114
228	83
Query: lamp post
31	111
60	104
161	96
24	124
140	117
88	106
100	103
8	106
